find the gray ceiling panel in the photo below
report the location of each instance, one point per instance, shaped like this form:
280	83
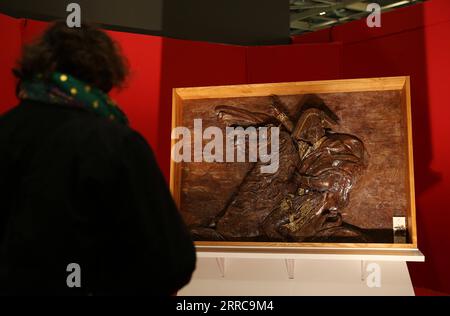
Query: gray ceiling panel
312	15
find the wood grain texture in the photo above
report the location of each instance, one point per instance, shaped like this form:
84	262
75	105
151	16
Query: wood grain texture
376	110
257	245
289	88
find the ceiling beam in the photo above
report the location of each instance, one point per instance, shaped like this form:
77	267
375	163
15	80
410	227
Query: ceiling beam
318	14
301	25
357	6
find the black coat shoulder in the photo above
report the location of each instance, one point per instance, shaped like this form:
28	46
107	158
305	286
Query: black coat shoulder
77	188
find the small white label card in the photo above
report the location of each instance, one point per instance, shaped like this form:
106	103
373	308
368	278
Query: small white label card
399	223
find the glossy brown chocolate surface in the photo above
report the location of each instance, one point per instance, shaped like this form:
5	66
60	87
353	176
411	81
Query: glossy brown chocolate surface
314	194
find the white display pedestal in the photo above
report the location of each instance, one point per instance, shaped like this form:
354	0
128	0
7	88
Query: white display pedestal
304	272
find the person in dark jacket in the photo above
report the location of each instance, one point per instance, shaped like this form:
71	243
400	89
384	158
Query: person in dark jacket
84	208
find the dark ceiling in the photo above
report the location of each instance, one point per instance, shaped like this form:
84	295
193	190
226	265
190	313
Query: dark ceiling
313	15
243	22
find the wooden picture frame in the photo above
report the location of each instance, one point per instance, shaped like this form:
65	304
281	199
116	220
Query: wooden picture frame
400	84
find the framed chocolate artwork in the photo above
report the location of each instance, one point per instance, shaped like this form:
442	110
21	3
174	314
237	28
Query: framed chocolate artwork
298	164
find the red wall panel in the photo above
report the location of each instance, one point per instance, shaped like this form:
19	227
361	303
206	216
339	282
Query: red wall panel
394	22
11	46
190	64
31	30
296	62
140	98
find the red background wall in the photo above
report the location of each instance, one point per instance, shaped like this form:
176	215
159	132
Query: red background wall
412	41
11	37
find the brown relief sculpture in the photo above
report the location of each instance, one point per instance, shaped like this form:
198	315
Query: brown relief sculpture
304	199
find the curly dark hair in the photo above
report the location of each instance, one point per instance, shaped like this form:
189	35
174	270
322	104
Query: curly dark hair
87	53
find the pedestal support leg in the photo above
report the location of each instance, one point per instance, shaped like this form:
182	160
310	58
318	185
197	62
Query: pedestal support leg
221	263
363	271
290	267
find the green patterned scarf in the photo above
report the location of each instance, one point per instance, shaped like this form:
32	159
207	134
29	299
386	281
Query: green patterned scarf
64	89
